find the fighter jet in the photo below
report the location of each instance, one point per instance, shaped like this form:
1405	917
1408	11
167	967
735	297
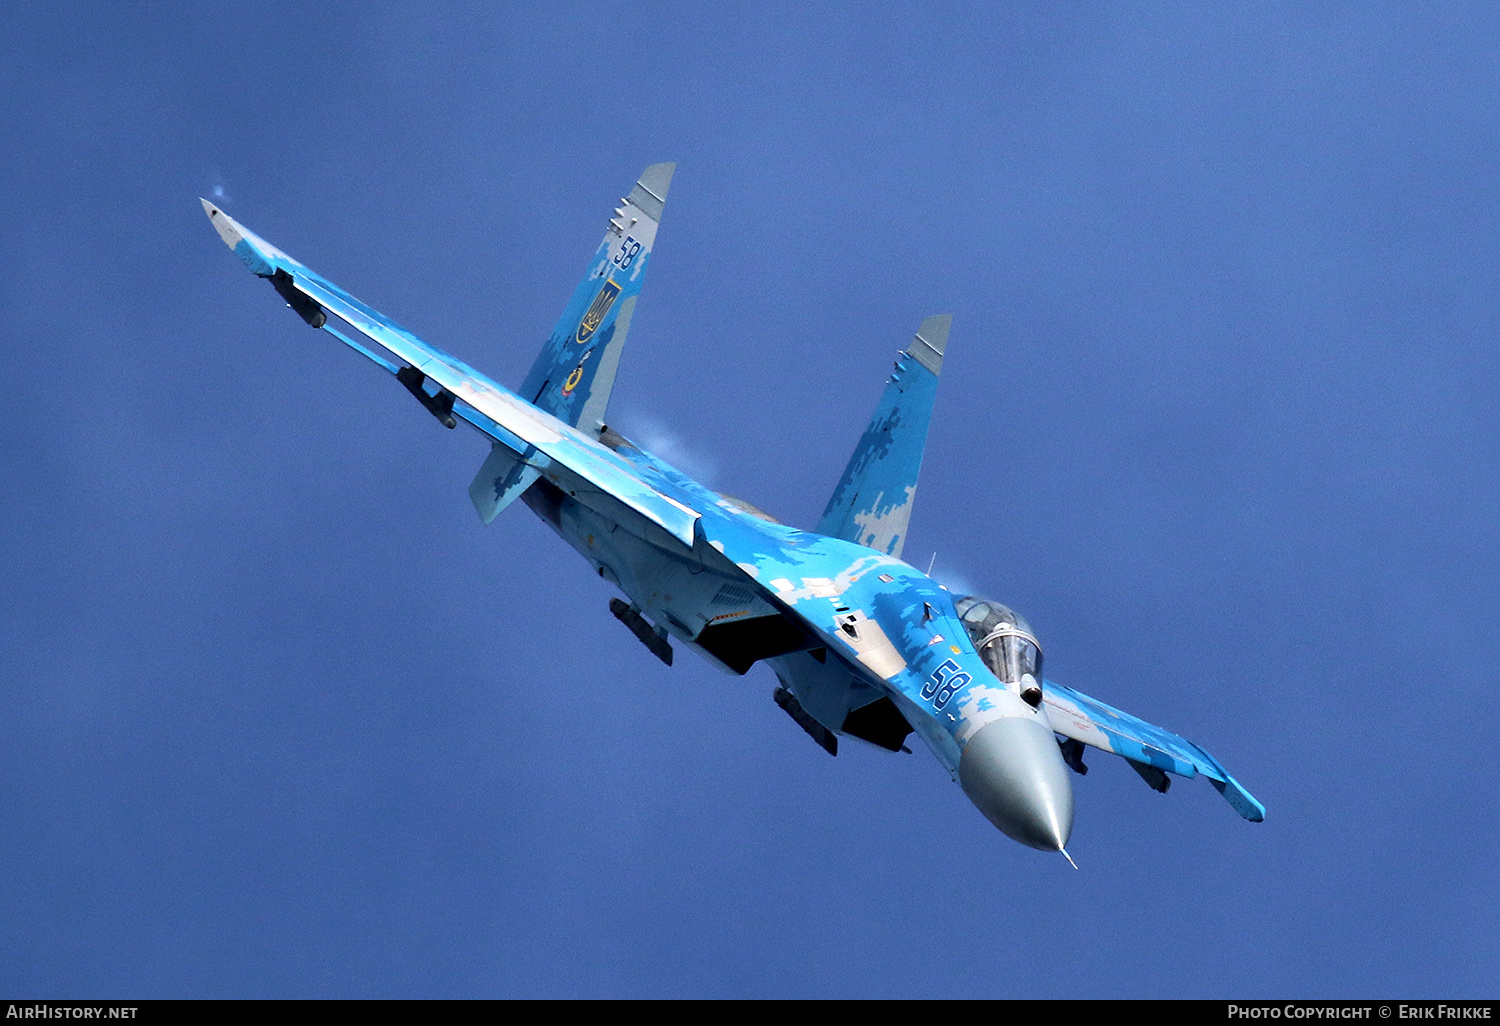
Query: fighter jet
863	645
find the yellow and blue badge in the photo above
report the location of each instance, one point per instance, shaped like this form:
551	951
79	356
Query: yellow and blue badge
577	375
597	311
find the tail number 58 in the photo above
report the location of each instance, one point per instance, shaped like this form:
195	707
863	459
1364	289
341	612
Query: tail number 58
946	681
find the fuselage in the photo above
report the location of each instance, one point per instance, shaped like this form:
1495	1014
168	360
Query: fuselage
843	626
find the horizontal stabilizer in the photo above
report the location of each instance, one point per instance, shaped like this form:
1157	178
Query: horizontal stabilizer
502	479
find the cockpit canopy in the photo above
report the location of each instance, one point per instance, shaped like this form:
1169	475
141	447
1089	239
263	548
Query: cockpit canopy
1005	643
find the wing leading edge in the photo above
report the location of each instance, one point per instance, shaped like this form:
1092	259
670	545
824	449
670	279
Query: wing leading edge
1087	720
536	438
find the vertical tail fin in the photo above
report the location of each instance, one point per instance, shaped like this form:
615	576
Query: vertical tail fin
575	371
872	504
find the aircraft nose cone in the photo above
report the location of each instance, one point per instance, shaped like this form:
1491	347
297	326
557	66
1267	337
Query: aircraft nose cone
1013	772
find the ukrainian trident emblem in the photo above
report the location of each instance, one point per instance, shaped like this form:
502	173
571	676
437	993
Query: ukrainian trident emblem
597	311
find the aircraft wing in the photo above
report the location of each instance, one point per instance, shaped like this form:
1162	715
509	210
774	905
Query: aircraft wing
1088	720
539	440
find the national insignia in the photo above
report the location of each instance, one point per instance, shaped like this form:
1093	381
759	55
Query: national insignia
597	311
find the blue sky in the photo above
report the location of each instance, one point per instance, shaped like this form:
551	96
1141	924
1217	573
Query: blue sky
282	718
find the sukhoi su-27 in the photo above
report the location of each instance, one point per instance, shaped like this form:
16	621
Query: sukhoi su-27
862	644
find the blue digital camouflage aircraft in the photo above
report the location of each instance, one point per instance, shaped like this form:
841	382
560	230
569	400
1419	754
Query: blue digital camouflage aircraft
864	645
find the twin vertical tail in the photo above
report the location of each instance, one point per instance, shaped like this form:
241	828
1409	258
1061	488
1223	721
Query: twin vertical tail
872	504
575	372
